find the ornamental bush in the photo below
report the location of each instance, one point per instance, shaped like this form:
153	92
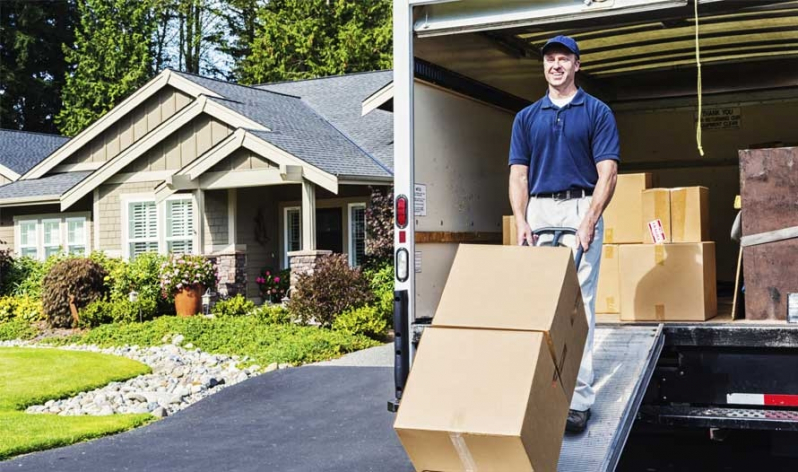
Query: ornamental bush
366	320
142	275
235	306
273	285
379	227
22	307
184	271
381	281
105	311
80	278
332	288
273	314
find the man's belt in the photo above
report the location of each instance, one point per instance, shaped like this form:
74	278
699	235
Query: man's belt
565	194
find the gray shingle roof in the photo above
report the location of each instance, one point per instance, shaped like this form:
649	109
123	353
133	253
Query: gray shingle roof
20	151
52	185
339	100
301	130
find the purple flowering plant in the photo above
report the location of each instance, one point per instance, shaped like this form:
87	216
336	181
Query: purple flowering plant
273	284
185	271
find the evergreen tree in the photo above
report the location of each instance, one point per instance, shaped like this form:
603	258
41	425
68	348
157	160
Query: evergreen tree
112	57
32	64
300	39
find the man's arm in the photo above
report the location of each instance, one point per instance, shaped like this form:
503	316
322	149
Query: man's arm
519	198
602	194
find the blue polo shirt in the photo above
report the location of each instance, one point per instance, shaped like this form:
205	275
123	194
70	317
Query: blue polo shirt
561	146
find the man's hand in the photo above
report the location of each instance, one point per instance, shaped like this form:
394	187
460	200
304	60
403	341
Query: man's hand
525	234
585	233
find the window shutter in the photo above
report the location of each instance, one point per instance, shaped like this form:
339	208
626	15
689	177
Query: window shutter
180	225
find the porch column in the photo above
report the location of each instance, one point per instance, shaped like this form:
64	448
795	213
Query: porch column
308	216
232	209
199	199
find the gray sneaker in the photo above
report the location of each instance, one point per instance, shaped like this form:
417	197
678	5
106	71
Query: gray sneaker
577	421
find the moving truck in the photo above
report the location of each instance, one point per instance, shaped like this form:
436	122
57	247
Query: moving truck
463	69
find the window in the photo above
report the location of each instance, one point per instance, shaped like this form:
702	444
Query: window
43	236
293	232
179	226
357	233
142	233
28	240
76	236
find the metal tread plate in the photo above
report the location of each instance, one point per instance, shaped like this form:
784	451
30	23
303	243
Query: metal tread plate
623	361
719	417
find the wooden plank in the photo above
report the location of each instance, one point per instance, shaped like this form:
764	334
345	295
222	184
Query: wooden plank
768	179
770	236
428	237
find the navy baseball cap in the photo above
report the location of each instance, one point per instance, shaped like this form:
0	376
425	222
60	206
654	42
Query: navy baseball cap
565	41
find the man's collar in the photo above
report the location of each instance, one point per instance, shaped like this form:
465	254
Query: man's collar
579	99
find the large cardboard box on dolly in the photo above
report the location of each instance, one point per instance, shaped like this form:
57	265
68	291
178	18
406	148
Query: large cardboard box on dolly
623	215
608	291
668	282
482	399
523	289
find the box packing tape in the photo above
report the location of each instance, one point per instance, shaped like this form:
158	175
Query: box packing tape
610	302
609	252
609	236
659	254
678	213
469	465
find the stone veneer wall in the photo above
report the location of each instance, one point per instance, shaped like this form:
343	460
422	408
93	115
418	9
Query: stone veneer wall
304	262
232	273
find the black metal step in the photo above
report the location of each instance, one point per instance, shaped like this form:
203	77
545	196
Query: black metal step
716	417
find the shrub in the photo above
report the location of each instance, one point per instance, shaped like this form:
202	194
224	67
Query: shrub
16	329
186	270
381	282
23	307
78	277
235	306
273	285
273	314
104	311
332	288
24	276
6	260
366	320
143	275
379	227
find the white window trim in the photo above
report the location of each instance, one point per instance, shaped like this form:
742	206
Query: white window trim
160	211
195	217
351	233
286	262
39	220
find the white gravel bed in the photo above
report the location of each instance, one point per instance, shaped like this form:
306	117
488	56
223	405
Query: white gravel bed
181	376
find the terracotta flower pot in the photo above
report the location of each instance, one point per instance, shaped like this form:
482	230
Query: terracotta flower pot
188	301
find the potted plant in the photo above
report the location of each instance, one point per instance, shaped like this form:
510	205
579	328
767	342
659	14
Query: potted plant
273	285
186	277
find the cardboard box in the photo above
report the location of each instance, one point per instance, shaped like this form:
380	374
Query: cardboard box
656	206
690	214
519	288
509	231
482	400
608	292
668	282
622	216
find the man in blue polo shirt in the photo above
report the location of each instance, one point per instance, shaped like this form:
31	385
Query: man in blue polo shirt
564	158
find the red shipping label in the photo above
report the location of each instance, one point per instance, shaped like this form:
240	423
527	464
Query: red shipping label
657	231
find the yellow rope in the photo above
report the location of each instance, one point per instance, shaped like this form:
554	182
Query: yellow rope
698	65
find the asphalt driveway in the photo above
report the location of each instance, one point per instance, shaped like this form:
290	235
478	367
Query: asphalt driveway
315	418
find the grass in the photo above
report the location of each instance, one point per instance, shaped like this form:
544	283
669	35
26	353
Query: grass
33	376
263	342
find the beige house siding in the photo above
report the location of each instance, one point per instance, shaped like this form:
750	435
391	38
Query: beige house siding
183	146
7	215
242	159
110	208
144	118
215	227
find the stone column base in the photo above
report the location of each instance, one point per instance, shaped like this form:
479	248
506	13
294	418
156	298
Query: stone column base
304	262
232	270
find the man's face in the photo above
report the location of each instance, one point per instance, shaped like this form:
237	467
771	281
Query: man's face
560	66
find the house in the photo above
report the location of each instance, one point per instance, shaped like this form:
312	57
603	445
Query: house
251	176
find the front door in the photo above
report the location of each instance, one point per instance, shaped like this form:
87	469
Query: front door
329	233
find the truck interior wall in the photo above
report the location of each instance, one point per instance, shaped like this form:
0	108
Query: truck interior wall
658	136
461	149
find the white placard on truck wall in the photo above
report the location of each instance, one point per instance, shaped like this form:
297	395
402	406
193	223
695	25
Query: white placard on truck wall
420	200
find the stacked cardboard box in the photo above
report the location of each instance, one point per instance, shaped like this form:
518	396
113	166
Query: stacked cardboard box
663	269
493	376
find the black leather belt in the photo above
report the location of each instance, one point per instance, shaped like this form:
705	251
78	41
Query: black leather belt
565	194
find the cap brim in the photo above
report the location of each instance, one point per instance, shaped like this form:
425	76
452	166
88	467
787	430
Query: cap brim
557	43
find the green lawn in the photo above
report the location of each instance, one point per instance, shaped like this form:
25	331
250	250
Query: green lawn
33	376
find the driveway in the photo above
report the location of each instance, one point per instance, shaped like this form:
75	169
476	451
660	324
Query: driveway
324	417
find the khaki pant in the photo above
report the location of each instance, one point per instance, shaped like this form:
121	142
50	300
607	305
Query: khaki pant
543	212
